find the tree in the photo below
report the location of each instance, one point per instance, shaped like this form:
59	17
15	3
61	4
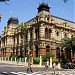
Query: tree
47	56
23	38
67	45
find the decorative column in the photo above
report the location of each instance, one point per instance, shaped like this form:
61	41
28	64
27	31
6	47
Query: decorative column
8	39
62	35
53	33
33	33
33	51
20	40
69	35
16	45
5	41
25	61
42	31
40	60
15	40
28	36
1	43
50	62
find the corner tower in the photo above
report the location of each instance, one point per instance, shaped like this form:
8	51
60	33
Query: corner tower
12	22
44	12
43	7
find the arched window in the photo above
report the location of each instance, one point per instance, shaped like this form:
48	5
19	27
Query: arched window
47	48
36	51
37	33
58	52
47	33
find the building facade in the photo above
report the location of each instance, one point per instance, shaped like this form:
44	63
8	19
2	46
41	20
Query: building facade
43	33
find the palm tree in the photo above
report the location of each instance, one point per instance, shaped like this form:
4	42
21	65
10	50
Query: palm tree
24	31
67	45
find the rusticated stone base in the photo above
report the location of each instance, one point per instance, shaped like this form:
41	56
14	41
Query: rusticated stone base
42	51
54	52
7	54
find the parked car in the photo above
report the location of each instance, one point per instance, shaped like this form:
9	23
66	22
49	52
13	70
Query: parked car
67	66
73	66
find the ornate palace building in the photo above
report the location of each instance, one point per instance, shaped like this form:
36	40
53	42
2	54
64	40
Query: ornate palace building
43	33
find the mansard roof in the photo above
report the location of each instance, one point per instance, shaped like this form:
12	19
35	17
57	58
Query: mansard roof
13	21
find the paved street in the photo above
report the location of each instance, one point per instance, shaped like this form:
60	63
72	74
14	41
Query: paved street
12	69
39	73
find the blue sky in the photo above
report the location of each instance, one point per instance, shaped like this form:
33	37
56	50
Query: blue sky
25	10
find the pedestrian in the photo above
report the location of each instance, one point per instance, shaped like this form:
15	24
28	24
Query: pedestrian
54	65
17	60
59	66
47	65
29	69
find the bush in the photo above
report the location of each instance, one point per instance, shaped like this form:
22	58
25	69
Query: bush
36	60
43	58
13	57
47	56
55	61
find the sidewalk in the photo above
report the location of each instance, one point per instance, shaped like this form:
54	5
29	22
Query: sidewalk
20	63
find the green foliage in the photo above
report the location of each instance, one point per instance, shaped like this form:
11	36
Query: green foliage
68	43
47	56
36	60
23	24
55	61
12	56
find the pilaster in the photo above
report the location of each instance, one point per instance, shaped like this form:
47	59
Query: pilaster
53	33
28	36
33	33
42	31
62	35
